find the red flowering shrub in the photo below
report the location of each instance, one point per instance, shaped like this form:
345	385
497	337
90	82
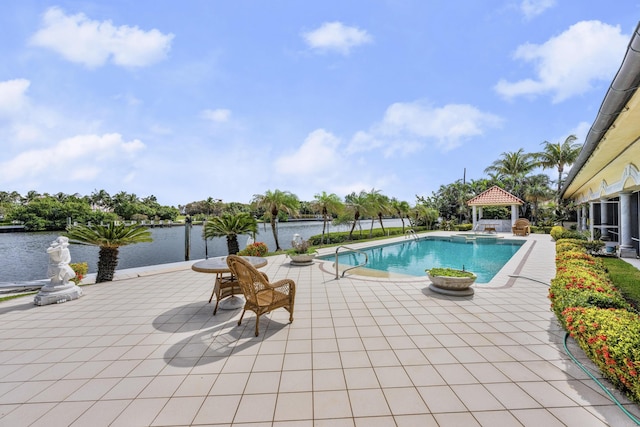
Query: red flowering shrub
255	249
597	316
81	269
611	338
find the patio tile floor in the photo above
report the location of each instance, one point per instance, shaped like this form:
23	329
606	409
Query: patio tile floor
145	350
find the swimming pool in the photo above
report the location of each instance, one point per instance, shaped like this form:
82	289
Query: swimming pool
483	256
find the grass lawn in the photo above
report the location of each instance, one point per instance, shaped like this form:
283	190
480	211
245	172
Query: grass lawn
626	278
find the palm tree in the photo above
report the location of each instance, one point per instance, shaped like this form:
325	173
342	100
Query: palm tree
273	202
512	168
378	205
402	208
230	226
109	238
513	164
558	156
123	198
537	190
31	195
327	204
100	199
213	206
358	204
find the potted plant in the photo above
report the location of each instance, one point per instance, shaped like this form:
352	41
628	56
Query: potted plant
450	281
301	252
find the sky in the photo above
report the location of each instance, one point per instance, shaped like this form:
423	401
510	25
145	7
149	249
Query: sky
228	99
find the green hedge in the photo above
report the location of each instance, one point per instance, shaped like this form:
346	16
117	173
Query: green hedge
463	227
540	229
343	236
559	232
611	338
596	315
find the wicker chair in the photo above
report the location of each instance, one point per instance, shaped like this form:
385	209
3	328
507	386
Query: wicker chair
262	296
521	227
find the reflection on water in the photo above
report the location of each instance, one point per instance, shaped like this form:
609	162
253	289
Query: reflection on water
23	256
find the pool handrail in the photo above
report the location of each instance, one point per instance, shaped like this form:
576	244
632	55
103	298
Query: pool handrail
366	260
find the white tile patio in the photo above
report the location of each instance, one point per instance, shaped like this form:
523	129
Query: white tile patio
362	351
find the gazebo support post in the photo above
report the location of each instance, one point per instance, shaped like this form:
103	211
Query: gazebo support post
473	216
514	214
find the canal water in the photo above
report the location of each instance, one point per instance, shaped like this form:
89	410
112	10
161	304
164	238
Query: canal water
23	255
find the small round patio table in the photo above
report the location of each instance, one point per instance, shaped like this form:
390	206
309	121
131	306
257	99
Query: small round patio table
226	285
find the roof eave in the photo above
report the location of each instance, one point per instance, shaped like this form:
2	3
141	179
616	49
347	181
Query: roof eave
622	88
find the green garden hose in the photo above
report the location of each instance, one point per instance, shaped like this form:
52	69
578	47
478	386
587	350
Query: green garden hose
585	370
602	386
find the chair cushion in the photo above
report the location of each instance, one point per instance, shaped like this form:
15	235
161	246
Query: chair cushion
269	297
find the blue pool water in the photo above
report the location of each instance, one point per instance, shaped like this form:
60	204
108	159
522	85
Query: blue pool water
485	257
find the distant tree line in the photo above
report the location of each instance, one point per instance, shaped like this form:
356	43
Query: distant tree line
513	171
54	212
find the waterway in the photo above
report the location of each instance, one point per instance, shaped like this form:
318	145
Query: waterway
23	256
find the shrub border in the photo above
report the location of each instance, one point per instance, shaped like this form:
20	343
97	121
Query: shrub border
596	315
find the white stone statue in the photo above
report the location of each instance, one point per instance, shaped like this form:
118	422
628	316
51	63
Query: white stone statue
59	289
59	258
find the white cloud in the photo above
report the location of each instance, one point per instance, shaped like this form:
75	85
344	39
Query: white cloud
335	36
566	65
78	158
533	8
159	129
128	99
92	43
219	115
580	131
318	153
405	128
13	95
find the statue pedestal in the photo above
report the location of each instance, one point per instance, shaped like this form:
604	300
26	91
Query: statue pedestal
57	294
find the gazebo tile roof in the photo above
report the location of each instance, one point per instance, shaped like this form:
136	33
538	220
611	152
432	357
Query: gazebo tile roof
495	196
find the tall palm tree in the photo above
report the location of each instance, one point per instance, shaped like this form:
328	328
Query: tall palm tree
537	190
273	202
230	226
213	206
356	203
512	168
109	238
378	205
327	204
402	208
101	200
513	164
558	156
31	195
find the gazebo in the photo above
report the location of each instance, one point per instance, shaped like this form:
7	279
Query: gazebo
495	196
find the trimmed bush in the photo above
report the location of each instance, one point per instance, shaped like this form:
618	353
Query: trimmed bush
81	269
611	338
556	232
540	229
591	247
463	227
596	315
255	249
559	232
343	236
